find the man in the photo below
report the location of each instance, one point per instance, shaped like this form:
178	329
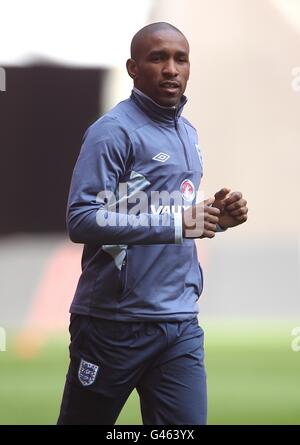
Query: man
134	315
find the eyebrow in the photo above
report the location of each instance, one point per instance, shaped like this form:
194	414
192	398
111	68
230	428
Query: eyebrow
159	52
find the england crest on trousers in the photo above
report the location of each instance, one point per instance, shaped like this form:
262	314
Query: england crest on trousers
87	373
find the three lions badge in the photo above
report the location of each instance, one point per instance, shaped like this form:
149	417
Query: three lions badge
87	373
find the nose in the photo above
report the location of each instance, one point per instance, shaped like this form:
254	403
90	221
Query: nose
170	68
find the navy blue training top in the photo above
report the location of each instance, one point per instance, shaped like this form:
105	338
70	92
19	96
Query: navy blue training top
135	263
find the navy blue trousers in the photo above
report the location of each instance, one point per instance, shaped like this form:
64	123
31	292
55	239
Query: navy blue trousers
164	361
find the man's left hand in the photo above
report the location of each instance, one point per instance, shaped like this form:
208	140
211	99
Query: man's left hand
233	208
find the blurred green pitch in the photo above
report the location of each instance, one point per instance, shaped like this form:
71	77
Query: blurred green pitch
253	377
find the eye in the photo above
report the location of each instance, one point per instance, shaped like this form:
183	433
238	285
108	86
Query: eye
156	58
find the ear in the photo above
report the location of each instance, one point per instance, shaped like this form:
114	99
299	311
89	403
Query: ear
132	68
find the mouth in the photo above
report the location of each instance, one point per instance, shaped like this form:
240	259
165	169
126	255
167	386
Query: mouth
170	87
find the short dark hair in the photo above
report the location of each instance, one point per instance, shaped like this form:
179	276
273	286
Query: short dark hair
148	29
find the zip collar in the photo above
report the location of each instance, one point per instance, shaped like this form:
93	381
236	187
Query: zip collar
155	111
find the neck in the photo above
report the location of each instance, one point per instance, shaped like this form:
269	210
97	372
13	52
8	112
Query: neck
168	115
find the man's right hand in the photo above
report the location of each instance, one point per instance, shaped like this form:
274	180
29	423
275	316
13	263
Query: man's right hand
200	220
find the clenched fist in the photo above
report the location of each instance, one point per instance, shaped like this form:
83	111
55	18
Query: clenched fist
200	220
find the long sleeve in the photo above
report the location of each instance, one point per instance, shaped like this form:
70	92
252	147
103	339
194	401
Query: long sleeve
103	161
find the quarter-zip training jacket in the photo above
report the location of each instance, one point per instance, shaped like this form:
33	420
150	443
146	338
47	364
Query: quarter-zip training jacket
133	269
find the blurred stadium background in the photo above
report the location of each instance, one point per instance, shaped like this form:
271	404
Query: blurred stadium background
65	65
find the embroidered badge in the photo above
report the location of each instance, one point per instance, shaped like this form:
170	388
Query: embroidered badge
87	373
187	189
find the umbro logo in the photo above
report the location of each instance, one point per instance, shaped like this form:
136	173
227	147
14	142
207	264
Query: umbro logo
161	157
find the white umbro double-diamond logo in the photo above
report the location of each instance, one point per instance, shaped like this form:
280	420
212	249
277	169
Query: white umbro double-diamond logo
161	157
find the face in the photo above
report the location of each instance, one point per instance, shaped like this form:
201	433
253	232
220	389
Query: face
162	68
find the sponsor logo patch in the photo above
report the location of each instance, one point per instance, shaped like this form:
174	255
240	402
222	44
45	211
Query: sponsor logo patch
87	373
187	190
161	157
